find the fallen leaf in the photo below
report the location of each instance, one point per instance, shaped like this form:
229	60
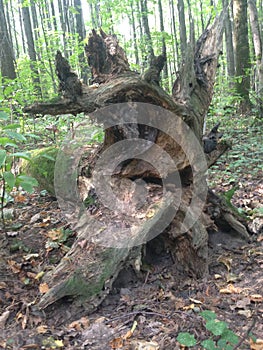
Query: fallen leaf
257	298
43	288
42	329
230	289
3	285
189	307
246	313
226	261
257	345
195	301
59	343
16	268
4	318
116	343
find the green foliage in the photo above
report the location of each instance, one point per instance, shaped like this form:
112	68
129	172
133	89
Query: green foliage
186	339
42	166
221	336
10	139
208	315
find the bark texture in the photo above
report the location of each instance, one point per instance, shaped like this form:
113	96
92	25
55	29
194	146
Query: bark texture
90	267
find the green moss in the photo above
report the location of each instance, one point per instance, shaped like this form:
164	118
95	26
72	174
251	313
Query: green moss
41	167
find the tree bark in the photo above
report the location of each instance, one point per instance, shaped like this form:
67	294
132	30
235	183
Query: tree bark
6	55
103	248
241	45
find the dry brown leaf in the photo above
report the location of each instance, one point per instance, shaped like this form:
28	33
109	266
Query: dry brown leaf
80	324
226	261
16	268
3	285
20	198
55	234
4	318
257	345
43	288
257	298
230	289
189	307
116	343
42	329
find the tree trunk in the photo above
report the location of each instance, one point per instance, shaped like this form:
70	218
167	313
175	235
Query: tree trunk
31	47
146	28
6	55
241	45
183	38
146	179
257	41
229	42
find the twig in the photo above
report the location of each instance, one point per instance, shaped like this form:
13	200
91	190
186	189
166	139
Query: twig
245	335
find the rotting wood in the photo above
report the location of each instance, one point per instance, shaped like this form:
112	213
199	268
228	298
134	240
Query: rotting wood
89	269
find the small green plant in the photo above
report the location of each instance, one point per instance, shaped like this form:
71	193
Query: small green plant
221	336
9	153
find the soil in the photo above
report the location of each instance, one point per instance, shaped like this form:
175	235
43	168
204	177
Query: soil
145	310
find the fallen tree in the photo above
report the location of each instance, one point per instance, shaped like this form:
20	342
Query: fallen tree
148	176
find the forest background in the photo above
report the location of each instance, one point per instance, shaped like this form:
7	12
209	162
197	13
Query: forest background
32	31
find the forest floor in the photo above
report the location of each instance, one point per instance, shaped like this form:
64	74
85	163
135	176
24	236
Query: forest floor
149	311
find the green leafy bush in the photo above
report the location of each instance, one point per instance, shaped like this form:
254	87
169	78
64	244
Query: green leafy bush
221	336
10	138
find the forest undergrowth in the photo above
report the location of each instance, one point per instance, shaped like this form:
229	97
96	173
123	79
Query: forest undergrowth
161	308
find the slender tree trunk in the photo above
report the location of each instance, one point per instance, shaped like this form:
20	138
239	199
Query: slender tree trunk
53	14
63	26
66	15
174	36
22	29
80	29
202	16
134	35
242	56
229	42
257	41
17	49
6	52
191	23
47	47
34	20
182	26
142	45
165	68
146	28
31	47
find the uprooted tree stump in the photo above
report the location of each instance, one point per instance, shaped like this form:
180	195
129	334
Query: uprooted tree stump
108	241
